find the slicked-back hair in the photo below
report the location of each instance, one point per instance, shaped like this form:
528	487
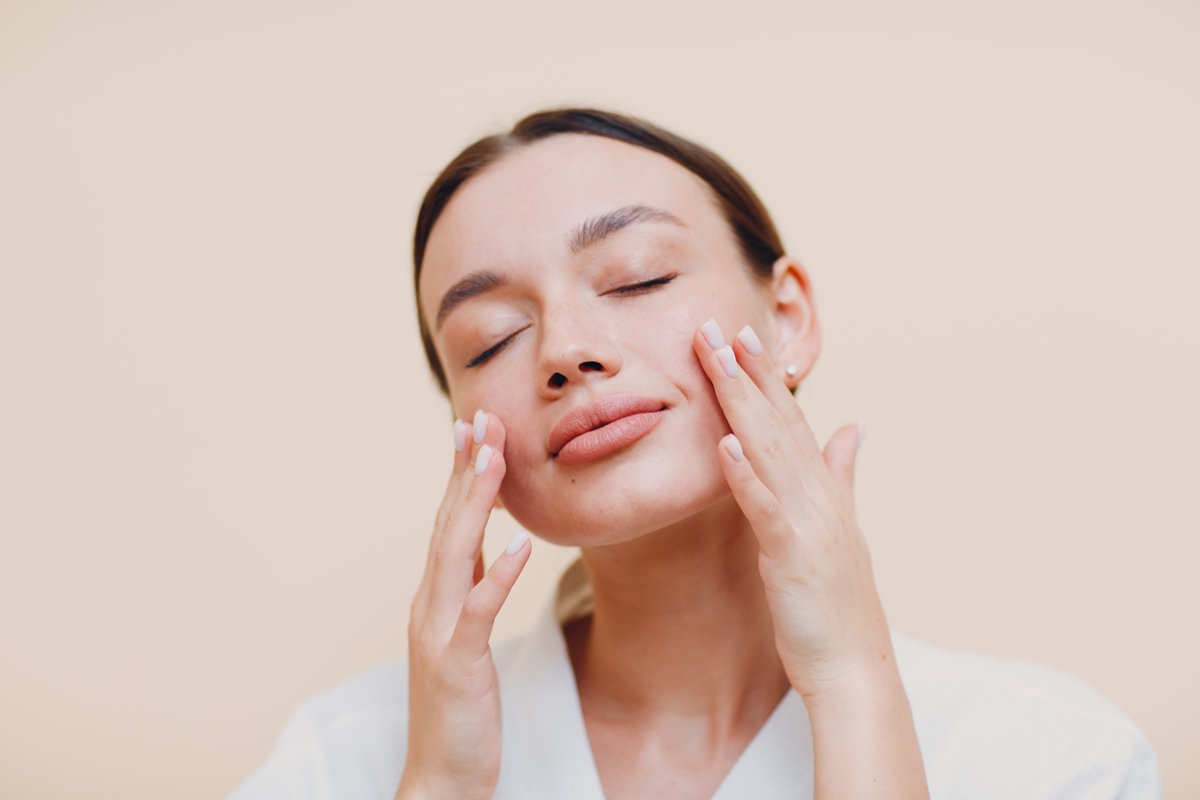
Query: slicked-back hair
745	213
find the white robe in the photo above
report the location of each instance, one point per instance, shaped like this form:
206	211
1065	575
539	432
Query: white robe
988	728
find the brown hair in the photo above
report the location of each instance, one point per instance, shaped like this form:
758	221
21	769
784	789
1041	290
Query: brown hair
748	217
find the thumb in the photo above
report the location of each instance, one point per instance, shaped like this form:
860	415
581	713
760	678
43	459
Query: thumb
841	453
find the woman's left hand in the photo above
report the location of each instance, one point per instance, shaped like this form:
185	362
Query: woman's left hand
830	630
829	623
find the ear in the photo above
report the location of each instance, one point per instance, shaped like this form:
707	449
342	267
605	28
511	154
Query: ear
798	334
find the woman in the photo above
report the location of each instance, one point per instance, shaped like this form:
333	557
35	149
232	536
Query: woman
611	308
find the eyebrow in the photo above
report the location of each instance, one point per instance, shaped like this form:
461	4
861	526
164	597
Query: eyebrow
594	230
473	285
590	231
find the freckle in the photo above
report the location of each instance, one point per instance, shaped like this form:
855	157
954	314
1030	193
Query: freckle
572	480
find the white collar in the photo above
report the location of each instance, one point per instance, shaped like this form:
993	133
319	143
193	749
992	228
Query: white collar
546	751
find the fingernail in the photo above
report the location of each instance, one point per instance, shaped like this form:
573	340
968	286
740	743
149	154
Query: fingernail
516	543
862	432
483	458
734	447
749	340
712	334
460	435
728	361
480	426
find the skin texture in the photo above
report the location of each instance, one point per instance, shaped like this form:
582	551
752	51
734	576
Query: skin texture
726	568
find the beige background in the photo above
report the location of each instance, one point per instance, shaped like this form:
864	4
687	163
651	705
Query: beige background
220	448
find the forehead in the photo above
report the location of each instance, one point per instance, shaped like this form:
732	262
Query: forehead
521	210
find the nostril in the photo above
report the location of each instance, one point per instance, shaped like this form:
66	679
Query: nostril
591	366
557	380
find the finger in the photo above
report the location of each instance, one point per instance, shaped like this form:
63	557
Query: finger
459	538
765	373
773	444
484	428
482	605
802	446
841	453
767	517
460	433
758	425
465	453
462	455
453	560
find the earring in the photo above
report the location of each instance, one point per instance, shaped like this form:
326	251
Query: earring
791	370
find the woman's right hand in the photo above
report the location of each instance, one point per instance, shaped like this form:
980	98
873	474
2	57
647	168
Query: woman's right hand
453	693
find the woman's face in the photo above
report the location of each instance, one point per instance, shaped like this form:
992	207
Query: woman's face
578	270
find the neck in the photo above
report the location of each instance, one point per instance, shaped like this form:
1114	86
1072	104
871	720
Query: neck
681	626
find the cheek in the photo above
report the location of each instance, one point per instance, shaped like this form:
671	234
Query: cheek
492	392
670	345
524	501
679	329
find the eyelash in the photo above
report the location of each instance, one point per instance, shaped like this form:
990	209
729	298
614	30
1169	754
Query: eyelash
625	291
491	351
638	288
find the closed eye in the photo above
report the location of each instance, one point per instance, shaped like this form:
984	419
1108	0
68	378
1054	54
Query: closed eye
632	289
644	286
491	351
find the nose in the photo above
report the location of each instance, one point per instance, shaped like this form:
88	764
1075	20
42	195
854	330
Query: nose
574	351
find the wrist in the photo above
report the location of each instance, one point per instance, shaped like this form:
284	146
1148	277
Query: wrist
416	785
411	788
864	735
870	681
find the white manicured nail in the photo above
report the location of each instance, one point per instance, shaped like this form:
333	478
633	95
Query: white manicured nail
483	458
862	432
516	543
712	334
734	447
749	340
728	361
480	426
460	435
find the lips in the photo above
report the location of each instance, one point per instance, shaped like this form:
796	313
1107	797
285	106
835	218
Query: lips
602	427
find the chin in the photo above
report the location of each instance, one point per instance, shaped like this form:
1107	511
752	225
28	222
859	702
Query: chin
610	503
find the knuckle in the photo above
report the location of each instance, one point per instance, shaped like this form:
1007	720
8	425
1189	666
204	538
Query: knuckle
792	412
478	499
765	506
446	517
445	558
774	449
778	423
738	391
442	557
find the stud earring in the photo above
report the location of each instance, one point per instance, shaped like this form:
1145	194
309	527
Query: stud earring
791	370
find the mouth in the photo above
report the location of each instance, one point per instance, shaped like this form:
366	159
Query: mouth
603	427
